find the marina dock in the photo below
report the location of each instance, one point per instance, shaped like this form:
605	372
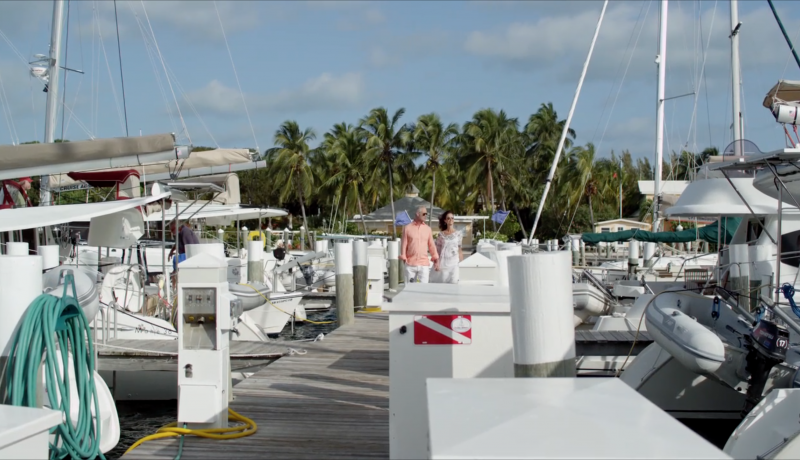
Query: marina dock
331	402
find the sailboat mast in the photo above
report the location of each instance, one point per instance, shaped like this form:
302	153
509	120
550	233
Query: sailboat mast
661	61
51	111
738	122
564	133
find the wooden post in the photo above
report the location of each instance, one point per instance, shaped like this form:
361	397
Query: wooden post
541	314
394	265
360	273
343	260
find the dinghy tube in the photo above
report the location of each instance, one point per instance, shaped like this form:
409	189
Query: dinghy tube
696	347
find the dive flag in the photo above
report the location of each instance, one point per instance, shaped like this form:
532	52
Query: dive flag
402	219
500	216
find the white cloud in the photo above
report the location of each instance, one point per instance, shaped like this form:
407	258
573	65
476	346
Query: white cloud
561	41
325	92
199	19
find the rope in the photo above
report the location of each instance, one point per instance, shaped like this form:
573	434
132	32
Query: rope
51	327
110	77
121	77
172	430
169	82
788	293
236	74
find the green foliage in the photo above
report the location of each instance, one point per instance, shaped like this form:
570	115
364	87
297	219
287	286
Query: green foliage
493	161
508	229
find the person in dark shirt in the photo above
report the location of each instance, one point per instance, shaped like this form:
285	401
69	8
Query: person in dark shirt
184	236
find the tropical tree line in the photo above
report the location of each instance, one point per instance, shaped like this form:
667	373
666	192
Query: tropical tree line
491	162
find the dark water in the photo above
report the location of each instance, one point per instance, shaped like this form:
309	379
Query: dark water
138	419
715	431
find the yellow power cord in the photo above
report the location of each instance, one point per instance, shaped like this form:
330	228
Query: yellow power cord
279	309
234	432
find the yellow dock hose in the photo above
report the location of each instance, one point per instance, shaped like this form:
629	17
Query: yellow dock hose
234	432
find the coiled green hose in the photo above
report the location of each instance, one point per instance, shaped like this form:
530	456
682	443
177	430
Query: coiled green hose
52	328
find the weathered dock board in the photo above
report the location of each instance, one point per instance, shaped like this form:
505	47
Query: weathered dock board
162	355
332	402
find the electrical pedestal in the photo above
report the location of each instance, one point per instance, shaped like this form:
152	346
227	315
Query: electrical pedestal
205	310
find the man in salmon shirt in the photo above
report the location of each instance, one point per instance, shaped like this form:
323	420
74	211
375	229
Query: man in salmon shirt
416	243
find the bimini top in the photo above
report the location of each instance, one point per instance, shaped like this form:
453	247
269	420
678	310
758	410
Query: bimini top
20	157
715	197
43	216
194	211
199	162
783	91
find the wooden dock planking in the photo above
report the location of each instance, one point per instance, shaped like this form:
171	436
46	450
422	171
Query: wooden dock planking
332	402
162	355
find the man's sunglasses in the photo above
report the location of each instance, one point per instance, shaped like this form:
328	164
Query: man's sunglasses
424	213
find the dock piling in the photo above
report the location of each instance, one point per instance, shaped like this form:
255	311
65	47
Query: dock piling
343	260
360	273
394	265
541	315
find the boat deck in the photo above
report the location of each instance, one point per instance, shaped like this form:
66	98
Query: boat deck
332	402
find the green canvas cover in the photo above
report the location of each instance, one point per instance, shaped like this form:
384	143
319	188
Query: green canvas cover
706	233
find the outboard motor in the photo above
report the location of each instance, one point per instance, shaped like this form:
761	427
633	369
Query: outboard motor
767	345
308	274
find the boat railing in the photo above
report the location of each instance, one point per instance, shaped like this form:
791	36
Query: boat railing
599	285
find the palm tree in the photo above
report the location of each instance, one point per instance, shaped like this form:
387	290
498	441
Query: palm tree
543	131
436	139
384	137
583	181
291	157
345	147
487	141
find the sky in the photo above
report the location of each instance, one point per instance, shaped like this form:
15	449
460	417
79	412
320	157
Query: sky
324	62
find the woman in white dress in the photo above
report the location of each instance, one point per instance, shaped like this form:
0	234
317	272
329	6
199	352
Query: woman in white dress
448	245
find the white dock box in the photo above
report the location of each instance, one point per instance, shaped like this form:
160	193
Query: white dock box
25	432
441	330
554	418
477	269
